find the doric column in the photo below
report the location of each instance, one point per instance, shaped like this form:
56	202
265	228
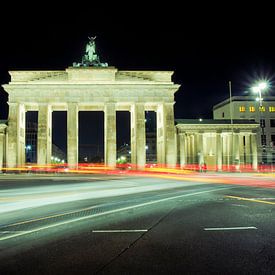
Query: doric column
228	139
16	135
22	135
160	135
200	148
72	135
219	151
170	145
166	147
248	149
110	134
254	151
236	146
44	134
2	145
138	151
182	145
188	150
236	150
12	134
193	148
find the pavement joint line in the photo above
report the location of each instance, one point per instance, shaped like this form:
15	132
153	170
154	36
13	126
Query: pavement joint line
110	212
250	199
229	228
49	217
120	231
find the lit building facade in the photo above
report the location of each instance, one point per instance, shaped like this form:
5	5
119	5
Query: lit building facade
217	143
104	89
246	107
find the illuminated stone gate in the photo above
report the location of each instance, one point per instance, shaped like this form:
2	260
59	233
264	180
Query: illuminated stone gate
91	89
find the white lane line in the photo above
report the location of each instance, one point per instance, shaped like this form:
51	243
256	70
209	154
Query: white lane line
229	228
120	231
240	205
11	232
111	212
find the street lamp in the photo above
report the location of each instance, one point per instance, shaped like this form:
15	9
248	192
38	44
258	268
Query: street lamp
259	89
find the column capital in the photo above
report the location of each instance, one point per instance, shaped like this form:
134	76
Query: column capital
138	104
3	127
169	103
44	104
12	104
109	105
72	104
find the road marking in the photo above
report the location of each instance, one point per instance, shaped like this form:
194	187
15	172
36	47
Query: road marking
271	199
249	199
239	205
9	232
120	231
110	212
229	228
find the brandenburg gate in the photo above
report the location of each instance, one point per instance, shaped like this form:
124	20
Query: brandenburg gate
91	88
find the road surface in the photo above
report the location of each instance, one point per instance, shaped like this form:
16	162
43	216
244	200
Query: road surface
107	224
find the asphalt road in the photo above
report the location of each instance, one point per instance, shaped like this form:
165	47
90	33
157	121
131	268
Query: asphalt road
135	225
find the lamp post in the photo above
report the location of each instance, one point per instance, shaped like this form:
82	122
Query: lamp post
258	89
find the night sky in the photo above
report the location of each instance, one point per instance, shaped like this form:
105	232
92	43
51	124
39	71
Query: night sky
205	48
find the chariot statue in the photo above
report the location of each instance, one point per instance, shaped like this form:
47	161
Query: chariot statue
90	58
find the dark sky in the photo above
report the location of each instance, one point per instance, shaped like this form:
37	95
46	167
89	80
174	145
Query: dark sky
205	48
205	45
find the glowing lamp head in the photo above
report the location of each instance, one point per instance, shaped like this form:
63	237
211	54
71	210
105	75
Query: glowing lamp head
262	85
255	89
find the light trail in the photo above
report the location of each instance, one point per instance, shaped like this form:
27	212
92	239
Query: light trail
120	231
39	196
108	212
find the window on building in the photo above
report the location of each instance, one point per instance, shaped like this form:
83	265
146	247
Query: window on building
263	139
272	122
262	108
271	109
262	123
222	114
272	140
242	108
251	109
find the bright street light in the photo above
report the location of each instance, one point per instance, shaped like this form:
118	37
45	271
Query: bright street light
262	85
258	89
